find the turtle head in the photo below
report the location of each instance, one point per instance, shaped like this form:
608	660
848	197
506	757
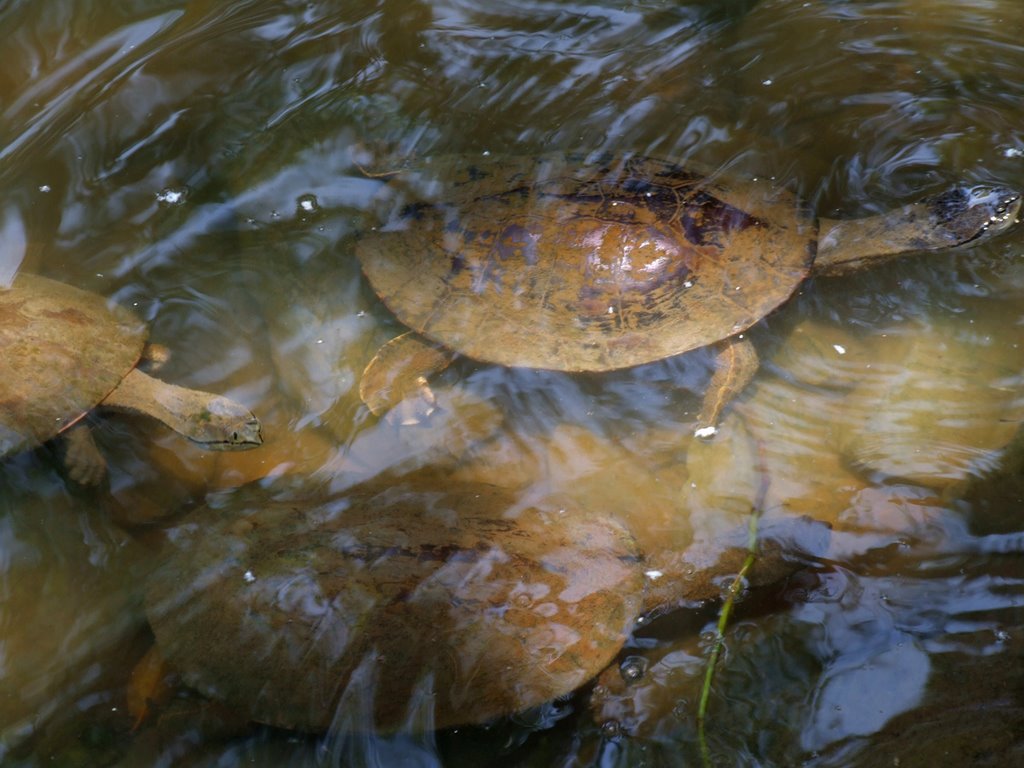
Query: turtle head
967	213
959	215
224	425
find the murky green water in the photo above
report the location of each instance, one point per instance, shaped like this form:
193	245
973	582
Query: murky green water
205	164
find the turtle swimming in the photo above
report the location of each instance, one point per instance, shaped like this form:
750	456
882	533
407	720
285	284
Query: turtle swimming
416	601
65	351
570	263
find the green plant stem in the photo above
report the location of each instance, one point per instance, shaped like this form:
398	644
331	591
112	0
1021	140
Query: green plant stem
723	617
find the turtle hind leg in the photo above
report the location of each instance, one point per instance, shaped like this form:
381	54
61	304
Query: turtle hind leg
735	365
395	380
85	464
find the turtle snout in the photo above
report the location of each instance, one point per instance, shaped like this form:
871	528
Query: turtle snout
1001	205
250	435
970	213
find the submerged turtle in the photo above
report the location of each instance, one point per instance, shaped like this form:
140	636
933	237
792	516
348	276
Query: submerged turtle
567	263
413	602
64	351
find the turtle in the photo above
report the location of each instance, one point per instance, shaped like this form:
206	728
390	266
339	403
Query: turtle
415	600
64	351
581	263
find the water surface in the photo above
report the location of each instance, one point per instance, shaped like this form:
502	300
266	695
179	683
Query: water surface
211	167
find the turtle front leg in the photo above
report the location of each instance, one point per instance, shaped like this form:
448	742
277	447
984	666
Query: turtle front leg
736	363
82	457
395	381
154	357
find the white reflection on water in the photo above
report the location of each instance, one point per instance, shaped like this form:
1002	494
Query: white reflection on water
879	673
13	245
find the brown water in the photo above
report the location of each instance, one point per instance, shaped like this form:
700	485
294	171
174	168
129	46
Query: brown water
203	163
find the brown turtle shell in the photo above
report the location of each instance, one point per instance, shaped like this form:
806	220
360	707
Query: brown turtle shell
569	263
62	351
403	600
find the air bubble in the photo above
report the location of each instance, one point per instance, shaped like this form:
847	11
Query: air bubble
172	195
308	204
633	669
